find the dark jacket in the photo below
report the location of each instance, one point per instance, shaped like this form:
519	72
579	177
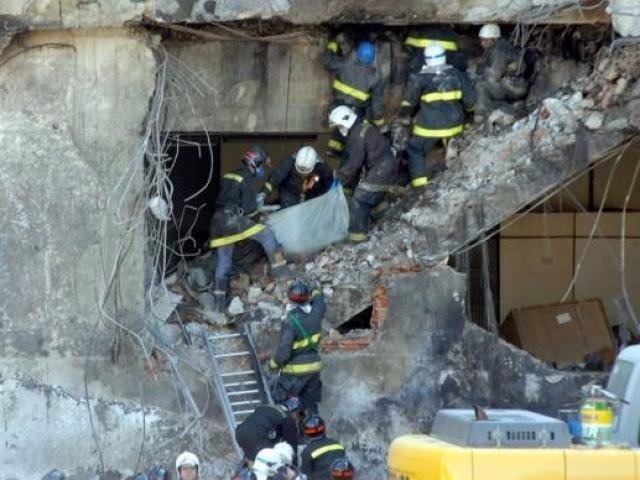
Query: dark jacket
297	349
443	99
355	84
265	427
501	61
289	182
318	456
236	209
445	36
366	148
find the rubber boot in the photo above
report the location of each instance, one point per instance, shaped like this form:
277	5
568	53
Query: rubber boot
219	293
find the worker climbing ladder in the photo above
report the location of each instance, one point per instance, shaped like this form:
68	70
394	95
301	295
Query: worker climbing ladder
237	376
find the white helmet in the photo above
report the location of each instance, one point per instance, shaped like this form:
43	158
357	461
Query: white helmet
434	55
186	458
286	452
342	116
306	159
490	30
267	462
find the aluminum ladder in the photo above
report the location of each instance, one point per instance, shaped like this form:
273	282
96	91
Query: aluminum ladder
238	379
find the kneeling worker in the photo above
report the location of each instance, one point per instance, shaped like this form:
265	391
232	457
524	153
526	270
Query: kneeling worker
366	148
300	177
267	426
236	219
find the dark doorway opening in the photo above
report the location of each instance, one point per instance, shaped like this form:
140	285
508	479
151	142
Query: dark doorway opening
360	321
194	171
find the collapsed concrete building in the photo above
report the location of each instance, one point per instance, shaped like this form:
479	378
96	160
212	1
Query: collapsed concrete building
97	100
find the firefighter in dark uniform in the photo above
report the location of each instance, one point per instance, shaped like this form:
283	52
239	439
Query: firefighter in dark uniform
427	36
268	425
296	356
236	219
357	84
320	452
444	93
342	468
299	177
501	70
366	149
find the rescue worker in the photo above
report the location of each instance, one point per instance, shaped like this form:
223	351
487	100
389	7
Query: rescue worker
187	465
287	471
501	74
236	219
420	38
444	93
268	425
366	149
357	83
342	468
320	452
268	462
296	356
300	177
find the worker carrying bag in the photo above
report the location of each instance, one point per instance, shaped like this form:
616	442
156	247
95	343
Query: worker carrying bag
312	225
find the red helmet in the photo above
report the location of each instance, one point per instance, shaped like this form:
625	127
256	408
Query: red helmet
299	292
313	427
341	468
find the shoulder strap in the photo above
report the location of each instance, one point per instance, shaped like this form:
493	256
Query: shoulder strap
295	321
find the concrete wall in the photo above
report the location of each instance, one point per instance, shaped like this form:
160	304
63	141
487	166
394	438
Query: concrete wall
248	87
428	356
72	106
72	14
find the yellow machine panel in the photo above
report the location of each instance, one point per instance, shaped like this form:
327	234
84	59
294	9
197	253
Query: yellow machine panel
517	464
420	457
600	464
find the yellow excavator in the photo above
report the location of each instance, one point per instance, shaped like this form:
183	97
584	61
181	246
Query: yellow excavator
522	445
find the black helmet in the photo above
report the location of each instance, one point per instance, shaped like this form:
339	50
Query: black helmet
313	427
255	157
293	405
299	292
158	473
54	475
341	468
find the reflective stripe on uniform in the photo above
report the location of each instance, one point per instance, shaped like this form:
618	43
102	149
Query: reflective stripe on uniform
349	90
333	46
268	187
336	145
313	340
229	239
302	368
378	122
333	447
437	133
442	96
357	237
419	182
233	176
427	42
273	364
405	104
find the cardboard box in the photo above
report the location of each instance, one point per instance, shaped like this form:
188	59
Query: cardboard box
562	334
609	224
540	225
620	182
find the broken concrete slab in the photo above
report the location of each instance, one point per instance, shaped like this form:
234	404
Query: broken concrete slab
427	357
